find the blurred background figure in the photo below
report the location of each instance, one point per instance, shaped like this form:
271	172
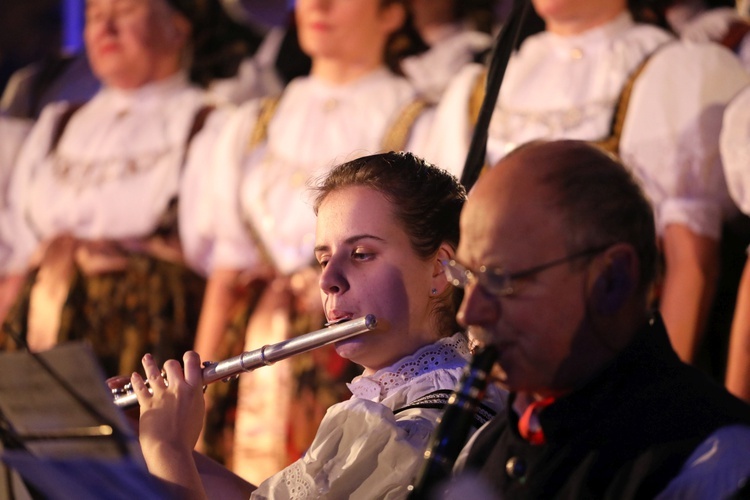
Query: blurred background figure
354	102
39	62
42	59
457	32
93	196
735	152
717	21
278	58
598	74
56	77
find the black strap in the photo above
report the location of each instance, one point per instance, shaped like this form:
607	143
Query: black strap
438	400
62	123
507	41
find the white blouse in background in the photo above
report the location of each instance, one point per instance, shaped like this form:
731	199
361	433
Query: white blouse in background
567	87
735	149
713	25
432	71
315	127
115	169
363	450
13	131
256	76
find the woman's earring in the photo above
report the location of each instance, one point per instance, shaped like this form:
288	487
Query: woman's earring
434	291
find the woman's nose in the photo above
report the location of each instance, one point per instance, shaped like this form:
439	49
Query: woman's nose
333	278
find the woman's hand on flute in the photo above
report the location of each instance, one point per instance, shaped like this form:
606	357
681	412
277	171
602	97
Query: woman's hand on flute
171	420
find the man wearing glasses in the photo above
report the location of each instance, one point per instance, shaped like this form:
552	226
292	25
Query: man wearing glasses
558	259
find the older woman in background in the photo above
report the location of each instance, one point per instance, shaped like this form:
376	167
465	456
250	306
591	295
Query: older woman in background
93	198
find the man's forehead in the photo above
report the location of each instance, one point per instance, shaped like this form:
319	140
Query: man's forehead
508	222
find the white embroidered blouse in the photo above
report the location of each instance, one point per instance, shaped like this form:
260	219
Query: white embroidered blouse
713	25
13	131
363	450
432	70
559	87
116	166
735	149
265	186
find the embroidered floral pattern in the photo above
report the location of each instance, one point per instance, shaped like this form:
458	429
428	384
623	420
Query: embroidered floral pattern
447	352
298	483
553	123
94	173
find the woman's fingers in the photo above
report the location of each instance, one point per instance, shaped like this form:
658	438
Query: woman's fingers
193	370
156	380
172	373
140	389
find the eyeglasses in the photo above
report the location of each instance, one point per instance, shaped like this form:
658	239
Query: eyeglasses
498	281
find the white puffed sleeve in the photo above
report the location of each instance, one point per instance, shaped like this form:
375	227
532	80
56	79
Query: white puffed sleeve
23	238
431	71
256	76
361	450
735	149
671	133
197	210
452	126
13	132
232	246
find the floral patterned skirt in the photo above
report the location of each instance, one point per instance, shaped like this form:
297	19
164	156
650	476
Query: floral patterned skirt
152	306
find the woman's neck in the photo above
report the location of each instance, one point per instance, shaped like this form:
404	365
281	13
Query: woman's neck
576	25
339	73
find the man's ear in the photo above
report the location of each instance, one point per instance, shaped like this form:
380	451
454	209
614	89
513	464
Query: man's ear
617	280
439	281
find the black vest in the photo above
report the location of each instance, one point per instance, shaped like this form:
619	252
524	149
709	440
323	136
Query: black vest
625	434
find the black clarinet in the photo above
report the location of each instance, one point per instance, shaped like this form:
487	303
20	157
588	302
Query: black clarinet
454	425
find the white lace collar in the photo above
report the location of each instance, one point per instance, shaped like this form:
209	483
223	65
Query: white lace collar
449	352
150	94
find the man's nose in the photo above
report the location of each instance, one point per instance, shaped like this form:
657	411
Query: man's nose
478	308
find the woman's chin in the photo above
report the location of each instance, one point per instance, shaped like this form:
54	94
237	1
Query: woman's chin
350	349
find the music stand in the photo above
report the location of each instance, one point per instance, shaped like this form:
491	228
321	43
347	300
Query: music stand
61	430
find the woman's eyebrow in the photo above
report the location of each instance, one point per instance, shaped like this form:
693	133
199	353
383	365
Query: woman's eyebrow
351	240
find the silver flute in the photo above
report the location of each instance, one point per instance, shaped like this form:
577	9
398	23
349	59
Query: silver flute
267	355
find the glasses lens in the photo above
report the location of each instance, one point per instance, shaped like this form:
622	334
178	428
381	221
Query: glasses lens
456	273
497	282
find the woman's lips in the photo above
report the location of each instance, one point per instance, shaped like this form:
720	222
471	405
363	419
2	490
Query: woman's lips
337	317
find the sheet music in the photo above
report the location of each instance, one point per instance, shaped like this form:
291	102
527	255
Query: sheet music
49	421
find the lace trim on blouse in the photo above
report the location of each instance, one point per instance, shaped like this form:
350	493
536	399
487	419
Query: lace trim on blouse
554	123
445	353
299	484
